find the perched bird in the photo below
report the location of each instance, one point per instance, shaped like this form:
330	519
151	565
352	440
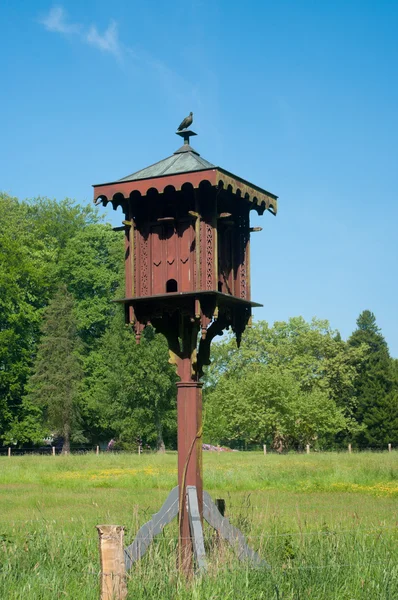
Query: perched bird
186	122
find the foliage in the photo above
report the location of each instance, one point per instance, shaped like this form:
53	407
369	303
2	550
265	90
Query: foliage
58	222
130	389
24	291
376	387
289	384
292	383
44	243
57	371
265	403
92	266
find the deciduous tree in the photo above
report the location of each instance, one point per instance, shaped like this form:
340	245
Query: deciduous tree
297	371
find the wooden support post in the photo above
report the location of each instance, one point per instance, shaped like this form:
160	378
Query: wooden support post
349	448
189	439
9	451
220	503
97	450
113	570
196	527
307	448
389	447
265	449
185	356
53	450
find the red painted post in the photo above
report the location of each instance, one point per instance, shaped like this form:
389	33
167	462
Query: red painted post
189	418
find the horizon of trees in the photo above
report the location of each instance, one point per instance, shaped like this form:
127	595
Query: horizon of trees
69	366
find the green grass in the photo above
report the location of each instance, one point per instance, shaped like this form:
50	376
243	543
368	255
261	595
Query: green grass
326	523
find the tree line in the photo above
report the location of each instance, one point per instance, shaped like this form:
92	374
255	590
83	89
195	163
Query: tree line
70	367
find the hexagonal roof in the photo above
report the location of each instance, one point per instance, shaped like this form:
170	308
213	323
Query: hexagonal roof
184	160
185	165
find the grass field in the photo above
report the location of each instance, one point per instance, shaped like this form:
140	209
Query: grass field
326	523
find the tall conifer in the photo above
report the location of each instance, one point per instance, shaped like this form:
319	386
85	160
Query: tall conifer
375	392
57	372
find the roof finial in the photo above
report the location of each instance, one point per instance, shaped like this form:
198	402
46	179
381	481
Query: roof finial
186	135
183	130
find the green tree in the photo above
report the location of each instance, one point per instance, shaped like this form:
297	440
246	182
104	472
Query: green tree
24	292
315	369
130	389
42	243
55	384
265	403
92	265
58	221
376	387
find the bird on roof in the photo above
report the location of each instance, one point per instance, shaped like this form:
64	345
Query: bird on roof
186	122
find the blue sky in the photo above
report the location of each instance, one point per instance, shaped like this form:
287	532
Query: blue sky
297	97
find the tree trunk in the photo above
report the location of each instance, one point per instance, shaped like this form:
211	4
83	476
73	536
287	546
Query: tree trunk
66	444
159	442
278	442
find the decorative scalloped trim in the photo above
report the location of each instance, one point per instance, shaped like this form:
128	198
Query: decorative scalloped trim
262	200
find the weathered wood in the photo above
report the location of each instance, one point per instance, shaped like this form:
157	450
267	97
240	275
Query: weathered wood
307	448
230	533
147	532
212	513
113	571
349	448
53	450
196	528
265	449
220	504
389	447
9	451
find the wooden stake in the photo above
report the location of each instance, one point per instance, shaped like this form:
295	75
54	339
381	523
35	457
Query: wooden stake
97	450
265	449
307	448
389	447
349	448
9	451
113	570
53	450
220	503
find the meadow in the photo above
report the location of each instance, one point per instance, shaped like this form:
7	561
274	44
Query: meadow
326	523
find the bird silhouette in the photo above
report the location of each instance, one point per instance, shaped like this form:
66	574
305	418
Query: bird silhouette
186	122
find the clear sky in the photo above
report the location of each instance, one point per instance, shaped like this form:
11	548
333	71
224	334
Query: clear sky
299	98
